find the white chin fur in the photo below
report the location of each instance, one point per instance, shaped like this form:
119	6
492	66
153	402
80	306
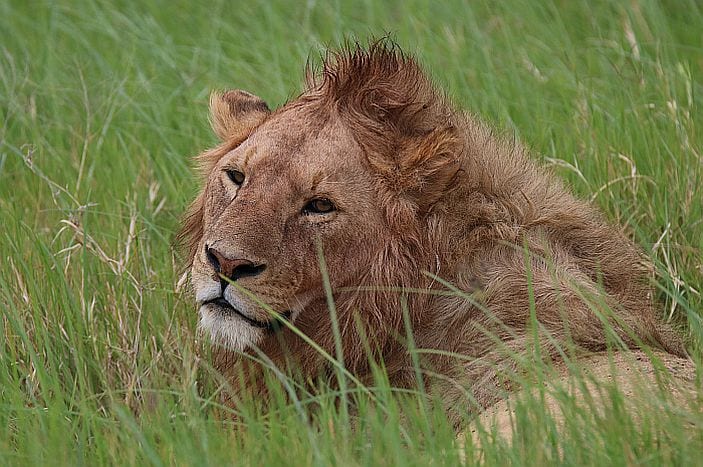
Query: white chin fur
229	332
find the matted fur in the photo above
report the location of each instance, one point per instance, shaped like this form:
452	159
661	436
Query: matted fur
422	190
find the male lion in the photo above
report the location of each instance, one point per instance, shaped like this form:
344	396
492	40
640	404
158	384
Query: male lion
407	199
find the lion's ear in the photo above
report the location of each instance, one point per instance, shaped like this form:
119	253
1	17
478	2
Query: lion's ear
431	165
435	162
424	168
234	114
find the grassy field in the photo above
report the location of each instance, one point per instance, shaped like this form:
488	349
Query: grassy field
102	105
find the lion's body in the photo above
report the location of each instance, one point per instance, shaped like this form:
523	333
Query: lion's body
643	382
424	197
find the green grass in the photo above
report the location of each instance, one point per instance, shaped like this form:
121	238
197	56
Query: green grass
102	105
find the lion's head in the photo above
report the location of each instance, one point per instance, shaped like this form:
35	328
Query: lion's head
353	168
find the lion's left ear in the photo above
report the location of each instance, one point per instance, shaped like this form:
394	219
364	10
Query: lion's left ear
425	168
431	165
234	114
434	162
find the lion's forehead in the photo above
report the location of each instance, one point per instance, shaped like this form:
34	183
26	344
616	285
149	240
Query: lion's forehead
285	147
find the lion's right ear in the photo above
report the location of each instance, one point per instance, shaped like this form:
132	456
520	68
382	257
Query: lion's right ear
234	114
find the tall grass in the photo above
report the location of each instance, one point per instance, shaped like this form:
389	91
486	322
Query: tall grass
102	103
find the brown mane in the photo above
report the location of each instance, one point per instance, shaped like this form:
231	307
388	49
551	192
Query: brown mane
404	125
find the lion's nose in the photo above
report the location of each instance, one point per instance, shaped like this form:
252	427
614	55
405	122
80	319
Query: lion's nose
232	268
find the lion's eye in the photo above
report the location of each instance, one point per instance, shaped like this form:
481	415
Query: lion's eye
236	176
319	206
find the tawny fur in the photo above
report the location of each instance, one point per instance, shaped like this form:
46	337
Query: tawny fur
427	196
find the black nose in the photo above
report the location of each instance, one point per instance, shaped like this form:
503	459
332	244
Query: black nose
231	268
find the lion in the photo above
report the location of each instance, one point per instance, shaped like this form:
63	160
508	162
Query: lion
370	205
